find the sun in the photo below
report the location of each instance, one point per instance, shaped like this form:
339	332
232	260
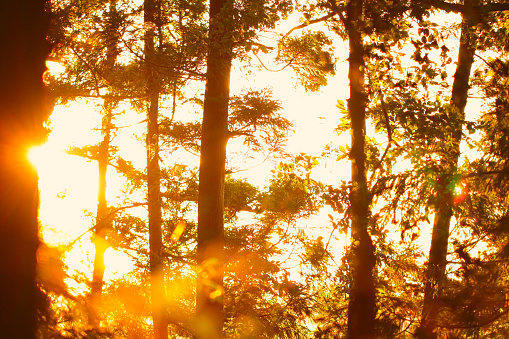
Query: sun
35	155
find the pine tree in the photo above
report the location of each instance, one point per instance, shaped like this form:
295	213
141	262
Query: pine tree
103	222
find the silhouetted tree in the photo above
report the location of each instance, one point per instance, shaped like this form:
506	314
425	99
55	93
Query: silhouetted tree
22	113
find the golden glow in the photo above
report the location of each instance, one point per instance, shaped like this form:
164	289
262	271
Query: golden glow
35	156
118	264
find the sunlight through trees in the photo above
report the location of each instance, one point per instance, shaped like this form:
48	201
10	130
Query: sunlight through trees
258	169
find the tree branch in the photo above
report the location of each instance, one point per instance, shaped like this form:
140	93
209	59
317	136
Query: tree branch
478	174
387	125
310	22
466	9
113	212
272	70
335	8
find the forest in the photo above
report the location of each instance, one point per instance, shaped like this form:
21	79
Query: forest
269	168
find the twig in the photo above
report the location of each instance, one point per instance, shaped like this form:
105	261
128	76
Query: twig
104	218
307	23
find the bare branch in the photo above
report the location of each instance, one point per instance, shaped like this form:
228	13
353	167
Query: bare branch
272	70
116	210
310	22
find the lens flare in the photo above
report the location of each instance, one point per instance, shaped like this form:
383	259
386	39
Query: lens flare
216	294
177	232
460	192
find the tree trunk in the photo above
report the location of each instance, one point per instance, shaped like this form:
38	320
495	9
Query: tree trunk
102	223
362	302
22	63
209	290
437	261
154	176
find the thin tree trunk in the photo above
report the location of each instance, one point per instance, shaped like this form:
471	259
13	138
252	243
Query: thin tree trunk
154	177
362	302
103	223
209	290
437	261
22	63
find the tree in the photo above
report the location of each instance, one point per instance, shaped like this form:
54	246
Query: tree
152	21
361	308
210	257
103	219
355	17
437	130
167	51
224	34
23	28
447	182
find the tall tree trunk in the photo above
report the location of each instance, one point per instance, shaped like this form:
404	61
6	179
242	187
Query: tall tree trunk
102	223
22	63
151	13
362	302
437	262
210	258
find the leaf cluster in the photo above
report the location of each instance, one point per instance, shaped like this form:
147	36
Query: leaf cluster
310	56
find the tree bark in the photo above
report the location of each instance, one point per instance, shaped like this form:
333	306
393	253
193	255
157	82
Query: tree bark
210	258
22	113
437	262
151	11
362	301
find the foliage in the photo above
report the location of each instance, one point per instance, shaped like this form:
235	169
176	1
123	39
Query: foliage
254	116
292	192
261	300
310	56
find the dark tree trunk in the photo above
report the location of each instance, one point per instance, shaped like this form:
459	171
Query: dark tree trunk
437	262
362	302
154	177
22	63
209	293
